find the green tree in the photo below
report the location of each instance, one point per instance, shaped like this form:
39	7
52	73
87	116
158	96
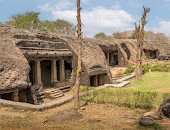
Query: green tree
28	20
58	26
133	35
100	35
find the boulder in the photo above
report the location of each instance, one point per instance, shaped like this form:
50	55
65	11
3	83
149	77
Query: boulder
14	67
164	108
65	115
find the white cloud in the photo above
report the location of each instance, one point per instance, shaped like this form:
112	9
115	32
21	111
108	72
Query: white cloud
84	1
163	27
61	5
45	7
96	20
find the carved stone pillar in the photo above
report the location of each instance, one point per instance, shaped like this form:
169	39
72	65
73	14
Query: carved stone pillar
95	81
53	71
16	96
100	80
38	72
62	70
108	58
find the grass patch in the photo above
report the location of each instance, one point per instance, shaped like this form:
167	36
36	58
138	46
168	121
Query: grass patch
17	122
123	97
140	94
152	81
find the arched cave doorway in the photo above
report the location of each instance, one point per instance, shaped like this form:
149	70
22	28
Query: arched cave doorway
68	69
46	73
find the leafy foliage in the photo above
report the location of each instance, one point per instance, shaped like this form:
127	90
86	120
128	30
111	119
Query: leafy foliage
100	35
129	69
30	20
160	68
145	68
58	26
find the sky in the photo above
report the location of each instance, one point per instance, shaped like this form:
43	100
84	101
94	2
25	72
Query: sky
106	16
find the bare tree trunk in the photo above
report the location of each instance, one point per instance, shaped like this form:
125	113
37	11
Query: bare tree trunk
137	51
141	63
140	38
143	22
77	85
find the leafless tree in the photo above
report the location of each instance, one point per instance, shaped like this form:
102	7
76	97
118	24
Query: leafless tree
77	85
140	41
137	27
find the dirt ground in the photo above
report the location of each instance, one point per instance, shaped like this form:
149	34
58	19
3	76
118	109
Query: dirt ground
96	116
162	90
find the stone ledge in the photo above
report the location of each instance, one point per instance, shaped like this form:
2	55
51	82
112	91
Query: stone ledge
120	85
126	78
27	106
121	82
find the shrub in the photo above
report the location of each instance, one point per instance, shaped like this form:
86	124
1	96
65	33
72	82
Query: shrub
161	68
124	97
129	69
146	68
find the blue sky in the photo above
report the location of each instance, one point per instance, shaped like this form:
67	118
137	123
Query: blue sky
107	16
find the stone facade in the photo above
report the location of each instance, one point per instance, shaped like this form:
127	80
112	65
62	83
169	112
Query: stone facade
37	64
52	60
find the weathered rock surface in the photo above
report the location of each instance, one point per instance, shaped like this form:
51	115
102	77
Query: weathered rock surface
153	115
14	67
65	115
164	108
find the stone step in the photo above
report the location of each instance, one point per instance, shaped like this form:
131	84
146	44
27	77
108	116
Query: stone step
56	96
65	90
51	90
53	93
64	87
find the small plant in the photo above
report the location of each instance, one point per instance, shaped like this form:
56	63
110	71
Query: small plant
129	69
146	68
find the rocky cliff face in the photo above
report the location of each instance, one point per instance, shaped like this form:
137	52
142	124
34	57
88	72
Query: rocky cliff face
14	67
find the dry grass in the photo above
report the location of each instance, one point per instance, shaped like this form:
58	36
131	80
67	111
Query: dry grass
109	117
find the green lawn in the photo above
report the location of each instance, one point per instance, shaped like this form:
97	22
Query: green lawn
152	81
